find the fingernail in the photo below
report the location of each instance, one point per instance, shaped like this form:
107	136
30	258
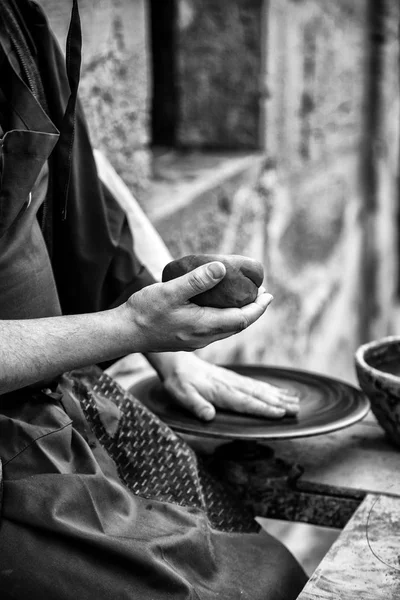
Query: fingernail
206	414
289	391
289	395
280	412
294	407
216	270
270	299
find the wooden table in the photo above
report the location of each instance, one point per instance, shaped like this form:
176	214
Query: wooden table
364	562
349	479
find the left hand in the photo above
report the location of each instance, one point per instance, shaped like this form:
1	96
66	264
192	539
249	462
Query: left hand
201	387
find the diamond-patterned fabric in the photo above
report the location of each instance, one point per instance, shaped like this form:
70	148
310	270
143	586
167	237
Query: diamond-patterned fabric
152	461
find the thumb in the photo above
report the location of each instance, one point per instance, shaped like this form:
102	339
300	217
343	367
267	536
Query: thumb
199	280
199	406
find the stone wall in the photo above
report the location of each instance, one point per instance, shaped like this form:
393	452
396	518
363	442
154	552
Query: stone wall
317	74
317	205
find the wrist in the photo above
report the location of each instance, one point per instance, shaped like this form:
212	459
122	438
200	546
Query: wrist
168	364
165	363
124	332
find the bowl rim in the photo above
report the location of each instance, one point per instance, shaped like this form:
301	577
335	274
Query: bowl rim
361	350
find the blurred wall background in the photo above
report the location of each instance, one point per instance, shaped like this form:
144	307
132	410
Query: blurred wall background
261	127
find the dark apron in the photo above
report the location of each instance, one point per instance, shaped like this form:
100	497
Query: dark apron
99	499
71	529
27	287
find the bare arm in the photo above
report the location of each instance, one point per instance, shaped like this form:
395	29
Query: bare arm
40	349
159	318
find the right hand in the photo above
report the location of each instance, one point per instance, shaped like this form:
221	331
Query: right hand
161	317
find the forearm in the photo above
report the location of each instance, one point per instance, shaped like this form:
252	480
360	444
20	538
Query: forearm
158	318
40	349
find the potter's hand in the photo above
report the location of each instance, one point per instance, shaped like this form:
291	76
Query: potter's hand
201	387
162	318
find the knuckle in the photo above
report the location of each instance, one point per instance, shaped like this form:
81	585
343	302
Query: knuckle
169	294
181	336
259	391
189	342
242	322
196	282
185	339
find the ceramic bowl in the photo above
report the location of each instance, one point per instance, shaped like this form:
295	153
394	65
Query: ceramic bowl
378	371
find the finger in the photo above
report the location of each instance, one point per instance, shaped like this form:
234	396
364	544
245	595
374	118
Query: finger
263	391
271	399
267	393
196	404
233	320
261	290
271	395
218	323
292	410
256	309
291	407
289	393
246	404
245	383
197	281
289	400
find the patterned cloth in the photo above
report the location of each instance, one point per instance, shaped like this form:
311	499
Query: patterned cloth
152	461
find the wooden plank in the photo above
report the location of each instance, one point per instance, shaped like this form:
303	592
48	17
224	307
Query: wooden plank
364	562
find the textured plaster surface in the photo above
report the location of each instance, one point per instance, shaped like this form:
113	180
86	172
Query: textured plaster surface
219	65
363	562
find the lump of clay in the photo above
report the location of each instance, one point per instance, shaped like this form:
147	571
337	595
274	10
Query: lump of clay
239	286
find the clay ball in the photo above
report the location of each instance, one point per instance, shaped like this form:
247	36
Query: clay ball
239	286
